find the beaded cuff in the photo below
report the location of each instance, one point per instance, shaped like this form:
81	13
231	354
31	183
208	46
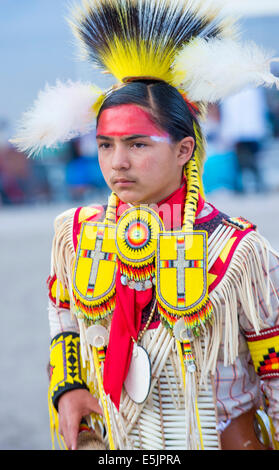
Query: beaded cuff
264	349
66	372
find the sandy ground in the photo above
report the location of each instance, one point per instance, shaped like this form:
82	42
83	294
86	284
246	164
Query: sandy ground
25	240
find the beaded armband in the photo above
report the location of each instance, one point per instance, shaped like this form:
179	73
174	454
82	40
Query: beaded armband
66	372
264	349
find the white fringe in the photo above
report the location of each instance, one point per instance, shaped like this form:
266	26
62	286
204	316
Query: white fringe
63	252
246	279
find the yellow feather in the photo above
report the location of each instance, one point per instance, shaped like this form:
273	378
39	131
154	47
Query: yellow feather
126	61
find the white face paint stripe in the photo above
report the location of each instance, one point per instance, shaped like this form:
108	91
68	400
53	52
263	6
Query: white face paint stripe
158	138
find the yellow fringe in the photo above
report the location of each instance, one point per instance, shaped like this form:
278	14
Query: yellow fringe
274	442
102	396
54	425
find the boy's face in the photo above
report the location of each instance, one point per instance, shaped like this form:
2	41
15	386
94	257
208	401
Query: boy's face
139	162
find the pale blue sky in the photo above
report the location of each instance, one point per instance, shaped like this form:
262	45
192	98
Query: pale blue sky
37	46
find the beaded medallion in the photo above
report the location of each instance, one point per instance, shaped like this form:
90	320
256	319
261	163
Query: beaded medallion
136	239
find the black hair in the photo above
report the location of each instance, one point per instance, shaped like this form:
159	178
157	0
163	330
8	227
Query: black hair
166	106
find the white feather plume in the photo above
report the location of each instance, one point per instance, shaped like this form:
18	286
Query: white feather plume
60	113
209	70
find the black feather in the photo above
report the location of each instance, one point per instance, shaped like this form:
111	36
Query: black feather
158	23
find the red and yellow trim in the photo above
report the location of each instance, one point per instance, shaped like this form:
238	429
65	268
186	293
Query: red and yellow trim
85	214
264	349
64	298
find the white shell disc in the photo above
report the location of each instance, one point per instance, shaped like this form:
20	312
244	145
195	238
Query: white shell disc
138	380
180	331
97	336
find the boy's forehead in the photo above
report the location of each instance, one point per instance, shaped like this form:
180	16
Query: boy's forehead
127	119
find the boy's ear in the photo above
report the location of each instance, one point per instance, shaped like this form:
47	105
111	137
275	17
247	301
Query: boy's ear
185	149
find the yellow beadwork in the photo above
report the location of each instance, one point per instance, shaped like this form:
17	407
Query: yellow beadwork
192	196
66	373
65	364
110	216
94	271
265	355
181	277
63	293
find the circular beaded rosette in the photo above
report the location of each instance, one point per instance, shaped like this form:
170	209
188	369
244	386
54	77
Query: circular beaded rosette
136	235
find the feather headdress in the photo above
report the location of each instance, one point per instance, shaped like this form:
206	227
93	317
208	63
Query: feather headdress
189	44
140	38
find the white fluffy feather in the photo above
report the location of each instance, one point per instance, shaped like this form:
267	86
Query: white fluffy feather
213	69
59	114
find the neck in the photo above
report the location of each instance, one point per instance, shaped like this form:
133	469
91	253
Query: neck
164	194
170	209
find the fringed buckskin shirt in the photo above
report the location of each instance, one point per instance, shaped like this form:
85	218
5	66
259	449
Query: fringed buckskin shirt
238	386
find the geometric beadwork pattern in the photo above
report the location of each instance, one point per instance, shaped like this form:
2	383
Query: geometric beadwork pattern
239	223
66	372
270	361
264	349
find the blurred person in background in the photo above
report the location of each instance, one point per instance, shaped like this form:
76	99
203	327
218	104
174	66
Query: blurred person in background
221	170
244	129
83	174
163	311
22	181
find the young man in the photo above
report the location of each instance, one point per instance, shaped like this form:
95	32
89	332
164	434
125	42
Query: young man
158	301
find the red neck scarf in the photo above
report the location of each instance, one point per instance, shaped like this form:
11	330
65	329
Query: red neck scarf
126	320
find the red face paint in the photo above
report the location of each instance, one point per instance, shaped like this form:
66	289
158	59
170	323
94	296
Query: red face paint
127	119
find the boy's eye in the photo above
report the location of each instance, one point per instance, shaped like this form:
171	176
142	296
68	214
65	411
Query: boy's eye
104	145
139	145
